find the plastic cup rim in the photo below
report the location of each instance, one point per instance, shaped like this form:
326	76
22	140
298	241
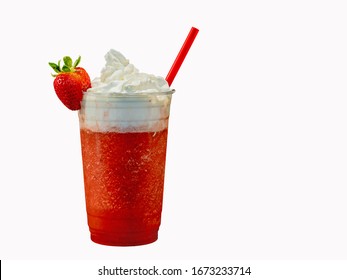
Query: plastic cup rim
127	95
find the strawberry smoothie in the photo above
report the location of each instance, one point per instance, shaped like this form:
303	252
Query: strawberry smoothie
124	183
124	127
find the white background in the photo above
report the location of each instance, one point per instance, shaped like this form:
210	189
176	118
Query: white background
257	152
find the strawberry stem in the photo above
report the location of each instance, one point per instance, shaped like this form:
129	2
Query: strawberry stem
67	67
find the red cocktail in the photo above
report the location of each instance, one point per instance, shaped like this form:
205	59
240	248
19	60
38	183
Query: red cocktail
123	143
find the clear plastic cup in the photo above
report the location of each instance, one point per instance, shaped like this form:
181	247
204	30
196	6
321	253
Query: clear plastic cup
123	140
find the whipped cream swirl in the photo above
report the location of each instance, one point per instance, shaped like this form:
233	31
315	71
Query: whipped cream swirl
120	76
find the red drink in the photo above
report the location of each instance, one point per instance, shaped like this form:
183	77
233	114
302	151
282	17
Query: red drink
124	181
123	141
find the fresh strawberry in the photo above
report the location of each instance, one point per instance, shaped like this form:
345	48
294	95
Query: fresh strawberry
70	82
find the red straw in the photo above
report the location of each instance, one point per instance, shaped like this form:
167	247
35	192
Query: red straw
181	55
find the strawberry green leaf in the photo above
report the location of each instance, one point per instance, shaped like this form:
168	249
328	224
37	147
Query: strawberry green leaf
55	67
66	69
59	65
77	62
67	61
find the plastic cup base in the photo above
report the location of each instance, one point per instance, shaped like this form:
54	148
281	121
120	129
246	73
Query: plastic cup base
130	239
